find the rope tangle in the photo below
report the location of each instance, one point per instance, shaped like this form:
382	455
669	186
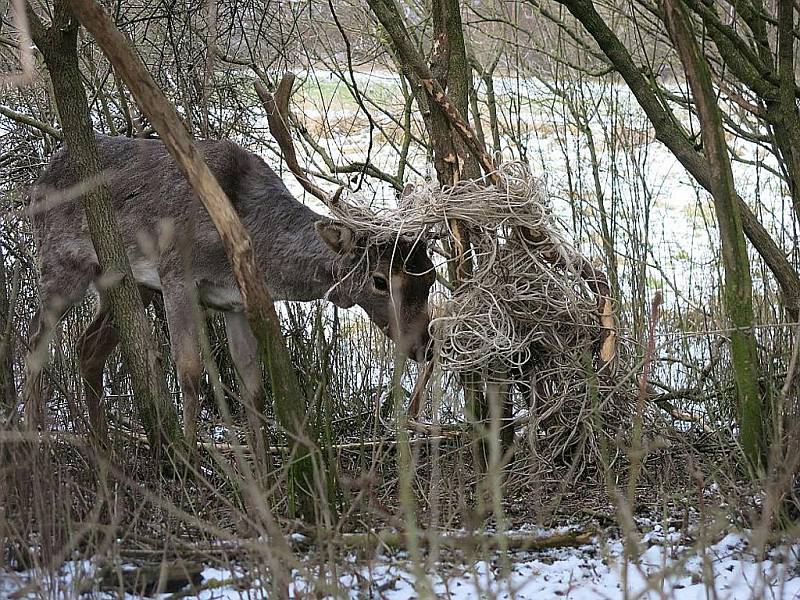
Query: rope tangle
516	306
533	312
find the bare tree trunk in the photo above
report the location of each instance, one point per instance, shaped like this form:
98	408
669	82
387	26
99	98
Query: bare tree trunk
450	66
785	110
455	77
8	395
290	404
738	285
454	159
58	44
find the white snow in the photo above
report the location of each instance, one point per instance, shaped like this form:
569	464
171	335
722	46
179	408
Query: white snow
661	571
726	569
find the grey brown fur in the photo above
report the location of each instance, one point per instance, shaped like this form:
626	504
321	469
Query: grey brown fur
174	249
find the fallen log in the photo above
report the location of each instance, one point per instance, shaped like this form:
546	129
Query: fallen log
396	540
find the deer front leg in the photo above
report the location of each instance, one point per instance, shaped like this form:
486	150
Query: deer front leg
244	352
35	361
184	337
94	346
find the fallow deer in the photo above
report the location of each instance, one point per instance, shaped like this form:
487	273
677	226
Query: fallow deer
174	249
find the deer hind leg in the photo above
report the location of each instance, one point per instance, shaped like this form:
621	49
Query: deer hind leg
94	347
184	337
61	287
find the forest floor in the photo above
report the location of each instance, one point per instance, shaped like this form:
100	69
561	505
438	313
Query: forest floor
667	564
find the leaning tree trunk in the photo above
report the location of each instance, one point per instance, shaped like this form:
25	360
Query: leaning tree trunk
738	285
682	147
58	44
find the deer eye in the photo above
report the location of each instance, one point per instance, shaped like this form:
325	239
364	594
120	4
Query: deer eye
380	283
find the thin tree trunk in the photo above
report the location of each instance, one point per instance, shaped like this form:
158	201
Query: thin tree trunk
290	404
452	70
476	115
58	44
487	76
456	80
738	285
494	123
8	395
787	117
454	158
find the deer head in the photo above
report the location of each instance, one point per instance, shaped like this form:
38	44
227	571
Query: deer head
391	281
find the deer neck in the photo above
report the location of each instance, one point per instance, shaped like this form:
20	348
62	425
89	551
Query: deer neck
297	264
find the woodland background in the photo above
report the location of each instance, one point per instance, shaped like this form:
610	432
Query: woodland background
605	102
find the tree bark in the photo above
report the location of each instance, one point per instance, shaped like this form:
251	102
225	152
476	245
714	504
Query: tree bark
454	75
787	118
290	406
738	285
8	395
456	78
58	44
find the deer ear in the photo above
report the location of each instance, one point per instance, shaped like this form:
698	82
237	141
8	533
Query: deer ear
338	236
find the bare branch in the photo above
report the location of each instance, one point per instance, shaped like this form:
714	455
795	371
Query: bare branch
30	122
278	118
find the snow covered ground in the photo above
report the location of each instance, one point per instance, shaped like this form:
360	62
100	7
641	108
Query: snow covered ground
588	573
727	569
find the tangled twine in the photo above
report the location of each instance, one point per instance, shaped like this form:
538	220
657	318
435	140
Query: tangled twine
523	315
514	308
